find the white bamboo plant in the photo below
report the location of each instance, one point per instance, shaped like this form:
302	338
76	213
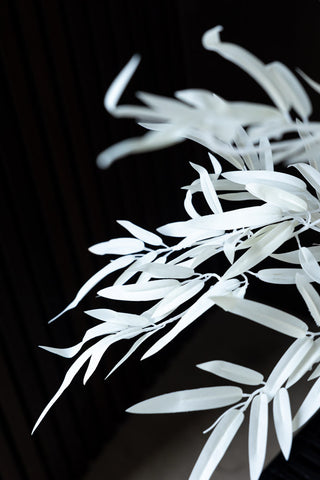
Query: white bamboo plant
249	139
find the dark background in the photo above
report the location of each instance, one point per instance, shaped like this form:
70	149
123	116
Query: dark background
58	58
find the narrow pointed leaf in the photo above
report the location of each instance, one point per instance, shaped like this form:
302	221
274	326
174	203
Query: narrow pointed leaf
284	276
310	174
157	270
315	374
258	431
131	270
310	296
107	315
177	297
189	400
217	445
275	196
312	357
216	165
283	421
293	256
266	177
237	197
309	264
263	314
261	249
140	233
233	372
309	407
195	311
188	205
118	246
286	365
113	266
208	189
265	154
68	352
139	292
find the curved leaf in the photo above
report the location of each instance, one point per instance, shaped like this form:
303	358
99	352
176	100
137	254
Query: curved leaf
258	431
233	372
139	292
283	421
309	407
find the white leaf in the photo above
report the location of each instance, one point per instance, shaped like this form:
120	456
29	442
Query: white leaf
157	270
117	246
286	365
237	197
68	352
139	292
141	233
258	431
266	177
245	60
312	357
96	278
290	88
293	256
215	224
119	84
188	205
313	84
216	165
208	189
310	296
217	445
107	315
309	264
265	154
315	373
177	297
283	421
130	272
276	196
309	407
233	372
261	249
310	174
195	311
284	276
263	314
189	400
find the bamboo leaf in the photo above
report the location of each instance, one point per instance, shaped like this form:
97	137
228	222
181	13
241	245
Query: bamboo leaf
266	177
140	233
293	256
208	189
258	431
283	421
261	249
166	271
263	314
309	407
233	372
113	266
217	445
309	264
118	246
189	400
139	292
286	365
128	319
310	296
276	196
312	357
310	174
284	276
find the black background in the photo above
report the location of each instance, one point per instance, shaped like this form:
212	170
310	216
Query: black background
58	58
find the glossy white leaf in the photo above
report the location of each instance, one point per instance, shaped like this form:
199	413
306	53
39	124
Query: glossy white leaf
188	205
139	292
119	84
315	374
245	60
284	276
177	297
309	407
310	296
131	270
208	189
265	154
290	88
275	196
309	264
216	165
217	445
233	372
286	365
263	314
283	421
258	431
113	266
189	400
266	177
237	197
68	352
156	270
312	357
117	246
261	249
107	315
210	224
140	233
195	311
293	256
310	174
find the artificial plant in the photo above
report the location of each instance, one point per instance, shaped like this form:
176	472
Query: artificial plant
250	140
